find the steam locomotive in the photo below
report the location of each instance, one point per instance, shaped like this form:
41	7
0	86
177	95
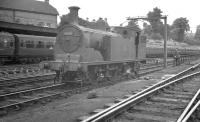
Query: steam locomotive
19	48
91	54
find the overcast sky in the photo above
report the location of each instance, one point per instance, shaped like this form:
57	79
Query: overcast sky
116	11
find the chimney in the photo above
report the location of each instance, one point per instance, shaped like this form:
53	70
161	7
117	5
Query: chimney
47	1
74	14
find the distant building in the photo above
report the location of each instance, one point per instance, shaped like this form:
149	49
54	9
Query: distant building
28	12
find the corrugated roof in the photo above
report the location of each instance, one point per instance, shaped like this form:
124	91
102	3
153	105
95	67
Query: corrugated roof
29	5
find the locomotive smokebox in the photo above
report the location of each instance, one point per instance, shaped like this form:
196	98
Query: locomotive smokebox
73	15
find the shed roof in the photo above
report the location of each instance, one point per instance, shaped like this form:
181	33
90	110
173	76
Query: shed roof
29	5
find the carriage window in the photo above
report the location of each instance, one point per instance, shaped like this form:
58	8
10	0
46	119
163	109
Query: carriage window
17	20
49	25
11	43
40	44
22	43
6	42
41	24
29	44
49	45
1	43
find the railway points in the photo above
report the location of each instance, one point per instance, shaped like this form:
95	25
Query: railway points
167	105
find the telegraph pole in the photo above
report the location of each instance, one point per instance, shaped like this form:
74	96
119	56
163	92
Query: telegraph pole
165	43
165	38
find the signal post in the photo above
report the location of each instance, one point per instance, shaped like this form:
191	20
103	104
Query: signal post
165	38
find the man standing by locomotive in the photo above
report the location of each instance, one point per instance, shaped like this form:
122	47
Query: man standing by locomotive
176	58
59	74
57	77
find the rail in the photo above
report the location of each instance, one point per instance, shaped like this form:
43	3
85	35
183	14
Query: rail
189	106
100	114
124	104
191	112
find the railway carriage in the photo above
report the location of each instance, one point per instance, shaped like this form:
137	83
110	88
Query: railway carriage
158	52
19	48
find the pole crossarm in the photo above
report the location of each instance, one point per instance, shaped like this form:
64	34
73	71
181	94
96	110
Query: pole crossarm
146	18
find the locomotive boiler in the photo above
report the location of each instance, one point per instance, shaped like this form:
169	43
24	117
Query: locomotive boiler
92	54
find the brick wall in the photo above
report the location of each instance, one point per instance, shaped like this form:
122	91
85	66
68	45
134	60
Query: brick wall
29	18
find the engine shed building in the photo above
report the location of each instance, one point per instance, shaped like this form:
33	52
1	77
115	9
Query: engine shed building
28	17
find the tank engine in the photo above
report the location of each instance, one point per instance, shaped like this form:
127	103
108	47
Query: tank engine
91	54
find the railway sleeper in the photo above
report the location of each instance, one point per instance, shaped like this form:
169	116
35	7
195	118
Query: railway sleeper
170	100
165	104
156	110
177	92
178	96
143	116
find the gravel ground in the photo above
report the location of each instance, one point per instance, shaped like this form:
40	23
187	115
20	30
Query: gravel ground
68	110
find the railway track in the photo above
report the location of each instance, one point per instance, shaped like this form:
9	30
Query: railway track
35	79
18	66
14	70
167	105
191	112
23	74
150	68
163	101
26	79
26	83
17	99
193	115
